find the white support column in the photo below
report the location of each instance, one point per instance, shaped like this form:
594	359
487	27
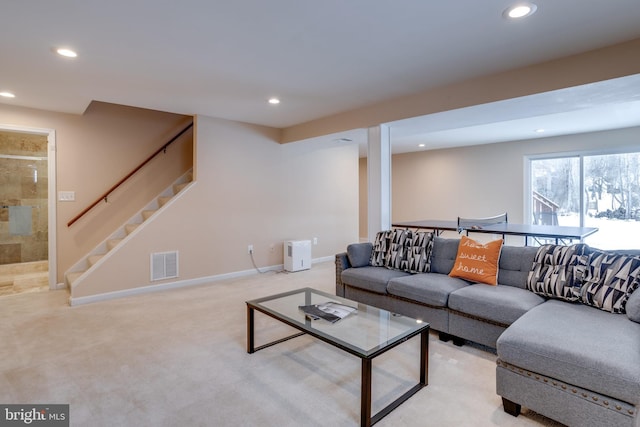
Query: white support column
378	180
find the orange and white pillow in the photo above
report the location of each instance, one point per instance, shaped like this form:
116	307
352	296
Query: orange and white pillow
477	262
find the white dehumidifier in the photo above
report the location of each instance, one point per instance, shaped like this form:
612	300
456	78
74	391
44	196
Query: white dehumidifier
297	255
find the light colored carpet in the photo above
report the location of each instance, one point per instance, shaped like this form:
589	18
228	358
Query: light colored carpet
178	358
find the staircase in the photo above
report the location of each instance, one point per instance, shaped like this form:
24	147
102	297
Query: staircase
82	268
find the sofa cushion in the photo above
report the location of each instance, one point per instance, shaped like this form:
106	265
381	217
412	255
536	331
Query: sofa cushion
501	304
443	254
515	264
477	262
428	288
419	252
373	279
397	256
380	248
359	254
633	306
557	271
579	345
609	280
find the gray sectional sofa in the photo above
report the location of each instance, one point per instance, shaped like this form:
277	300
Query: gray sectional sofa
561	351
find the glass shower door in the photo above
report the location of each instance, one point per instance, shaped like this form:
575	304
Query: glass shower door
23	212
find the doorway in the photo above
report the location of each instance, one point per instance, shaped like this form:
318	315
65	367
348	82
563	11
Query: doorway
26	212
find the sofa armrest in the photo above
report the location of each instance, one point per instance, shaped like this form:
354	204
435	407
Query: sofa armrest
342	263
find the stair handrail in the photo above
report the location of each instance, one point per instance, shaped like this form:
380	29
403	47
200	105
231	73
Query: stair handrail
129	175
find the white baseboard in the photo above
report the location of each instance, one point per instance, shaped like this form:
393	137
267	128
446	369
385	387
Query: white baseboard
323	259
179	284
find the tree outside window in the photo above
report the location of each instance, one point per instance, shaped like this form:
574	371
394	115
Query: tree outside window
607	197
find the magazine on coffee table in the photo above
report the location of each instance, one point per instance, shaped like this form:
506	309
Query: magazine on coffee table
330	311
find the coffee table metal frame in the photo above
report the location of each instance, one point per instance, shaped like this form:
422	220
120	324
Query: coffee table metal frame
366	356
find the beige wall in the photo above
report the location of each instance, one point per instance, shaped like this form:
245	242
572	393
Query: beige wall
483	180
94	151
249	190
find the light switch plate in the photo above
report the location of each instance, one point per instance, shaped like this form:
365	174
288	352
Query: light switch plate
66	196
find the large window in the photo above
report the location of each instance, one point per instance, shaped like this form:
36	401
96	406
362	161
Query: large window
590	190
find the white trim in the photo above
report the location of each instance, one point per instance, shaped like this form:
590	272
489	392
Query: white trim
323	259
585	153
52	204
166	286
527	209
179	284
581	189
52	200
12	157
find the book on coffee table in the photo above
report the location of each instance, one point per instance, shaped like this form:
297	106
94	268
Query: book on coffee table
330	311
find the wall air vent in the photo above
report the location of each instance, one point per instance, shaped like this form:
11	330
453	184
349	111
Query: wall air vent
164	265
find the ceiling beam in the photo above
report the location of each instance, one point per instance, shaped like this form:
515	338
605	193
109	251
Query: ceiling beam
597	65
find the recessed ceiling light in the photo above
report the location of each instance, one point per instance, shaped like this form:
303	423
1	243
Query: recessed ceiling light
274	101
540	130
420	145
7	95
520	10
68	53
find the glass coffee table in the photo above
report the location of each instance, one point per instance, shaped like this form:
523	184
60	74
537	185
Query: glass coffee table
366	334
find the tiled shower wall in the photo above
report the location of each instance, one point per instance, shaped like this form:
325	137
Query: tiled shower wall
23	182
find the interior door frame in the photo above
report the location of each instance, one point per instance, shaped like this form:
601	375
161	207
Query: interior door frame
51	196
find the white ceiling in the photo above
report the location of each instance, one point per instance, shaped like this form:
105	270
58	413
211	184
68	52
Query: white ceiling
226	58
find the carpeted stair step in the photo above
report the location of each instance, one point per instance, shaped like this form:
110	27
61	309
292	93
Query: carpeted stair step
72	277
147	214
93	259
162	200
130	227
112	243
179	187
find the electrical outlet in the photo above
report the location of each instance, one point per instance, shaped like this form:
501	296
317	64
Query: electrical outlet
315	240
250	249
